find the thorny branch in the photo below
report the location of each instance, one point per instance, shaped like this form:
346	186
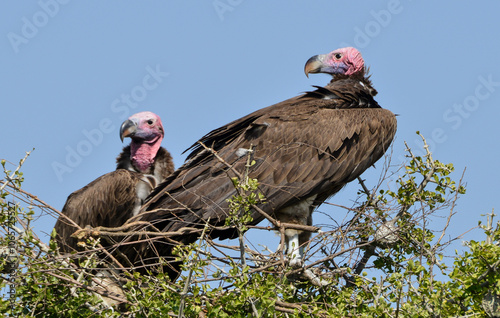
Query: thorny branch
11	177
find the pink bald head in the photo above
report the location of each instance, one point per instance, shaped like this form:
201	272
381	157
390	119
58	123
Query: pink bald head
345	61
146	127
146	131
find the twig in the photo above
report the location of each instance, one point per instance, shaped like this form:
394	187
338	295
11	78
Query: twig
451	211
216	155
254	310
89	288
11	177
190	275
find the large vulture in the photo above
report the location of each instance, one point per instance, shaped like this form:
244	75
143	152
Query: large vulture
305	150
113	198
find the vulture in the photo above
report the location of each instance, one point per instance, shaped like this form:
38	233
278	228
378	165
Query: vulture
304	150
113	198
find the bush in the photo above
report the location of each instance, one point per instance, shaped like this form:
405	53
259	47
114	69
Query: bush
383	261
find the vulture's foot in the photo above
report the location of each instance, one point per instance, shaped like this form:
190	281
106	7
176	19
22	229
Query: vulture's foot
315	280
295	262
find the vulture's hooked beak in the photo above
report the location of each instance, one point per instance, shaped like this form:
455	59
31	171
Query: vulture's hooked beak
314	65
128	129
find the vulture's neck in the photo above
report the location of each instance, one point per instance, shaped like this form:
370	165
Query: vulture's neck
363	77
143	154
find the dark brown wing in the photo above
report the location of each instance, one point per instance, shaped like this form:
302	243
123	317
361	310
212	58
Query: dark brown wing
309	145
107	201
294	160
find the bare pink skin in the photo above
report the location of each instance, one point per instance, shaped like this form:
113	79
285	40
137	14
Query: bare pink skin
147	140
348	58
354	59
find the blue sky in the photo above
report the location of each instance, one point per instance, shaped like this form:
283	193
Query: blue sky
72	71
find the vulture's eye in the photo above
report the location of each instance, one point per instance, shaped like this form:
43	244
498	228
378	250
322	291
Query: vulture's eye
150	122
338	56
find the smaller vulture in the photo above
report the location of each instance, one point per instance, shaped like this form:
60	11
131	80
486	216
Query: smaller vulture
113	198
305	149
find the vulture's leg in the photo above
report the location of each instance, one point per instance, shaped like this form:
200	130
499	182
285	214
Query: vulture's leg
295	244
295	240
299	213
294	251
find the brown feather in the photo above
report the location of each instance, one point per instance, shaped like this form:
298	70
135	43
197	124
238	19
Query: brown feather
100	203
111	199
